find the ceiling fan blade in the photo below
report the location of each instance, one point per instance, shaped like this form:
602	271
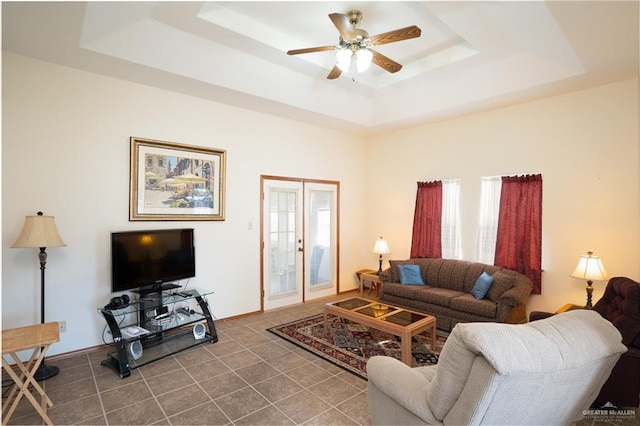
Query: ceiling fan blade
385	63
334	73
343	25
396	35
310	50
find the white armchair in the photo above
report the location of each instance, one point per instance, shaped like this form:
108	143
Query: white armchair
544	372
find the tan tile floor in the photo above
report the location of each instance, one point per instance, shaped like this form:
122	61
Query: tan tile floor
249	377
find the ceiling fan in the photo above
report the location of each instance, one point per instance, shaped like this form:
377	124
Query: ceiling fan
354	50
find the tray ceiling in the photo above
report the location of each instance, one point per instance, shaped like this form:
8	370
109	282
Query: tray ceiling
471	55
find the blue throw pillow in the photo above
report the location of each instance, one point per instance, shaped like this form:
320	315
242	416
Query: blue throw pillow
410	274
482	286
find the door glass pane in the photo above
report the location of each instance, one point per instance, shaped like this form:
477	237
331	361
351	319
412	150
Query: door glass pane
320	237
282	273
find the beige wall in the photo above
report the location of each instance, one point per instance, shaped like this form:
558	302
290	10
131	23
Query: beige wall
66	152
585	144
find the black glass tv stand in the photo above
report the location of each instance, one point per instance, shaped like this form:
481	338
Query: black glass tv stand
157	325
157	288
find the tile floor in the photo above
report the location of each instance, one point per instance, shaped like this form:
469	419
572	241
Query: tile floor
249	377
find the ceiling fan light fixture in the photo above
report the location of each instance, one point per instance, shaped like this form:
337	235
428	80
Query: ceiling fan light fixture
354	52
344	59
363	59
350	60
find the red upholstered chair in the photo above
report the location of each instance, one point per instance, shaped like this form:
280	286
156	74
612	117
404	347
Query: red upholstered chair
620	304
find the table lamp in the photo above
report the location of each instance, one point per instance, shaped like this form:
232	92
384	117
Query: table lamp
40	232
380	247
590	268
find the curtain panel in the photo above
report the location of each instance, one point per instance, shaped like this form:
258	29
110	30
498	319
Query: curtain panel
519	236
427	221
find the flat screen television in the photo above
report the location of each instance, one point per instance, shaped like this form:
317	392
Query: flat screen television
151	258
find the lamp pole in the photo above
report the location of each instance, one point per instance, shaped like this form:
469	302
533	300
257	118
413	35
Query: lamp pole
42	256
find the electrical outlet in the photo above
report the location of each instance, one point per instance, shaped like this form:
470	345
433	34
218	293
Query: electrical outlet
63	326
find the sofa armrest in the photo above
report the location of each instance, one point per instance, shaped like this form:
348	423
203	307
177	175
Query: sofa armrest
385	276
516	295
402	384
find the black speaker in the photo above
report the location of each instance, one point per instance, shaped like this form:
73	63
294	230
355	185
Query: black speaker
118	302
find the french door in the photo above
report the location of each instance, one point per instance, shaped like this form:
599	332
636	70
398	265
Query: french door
299	240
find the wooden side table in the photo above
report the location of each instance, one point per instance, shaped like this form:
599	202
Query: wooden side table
38	338
569	307
374	282
359	276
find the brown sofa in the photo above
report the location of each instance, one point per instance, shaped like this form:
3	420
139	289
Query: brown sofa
446	293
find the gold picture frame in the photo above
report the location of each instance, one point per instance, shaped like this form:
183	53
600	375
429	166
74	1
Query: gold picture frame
171	181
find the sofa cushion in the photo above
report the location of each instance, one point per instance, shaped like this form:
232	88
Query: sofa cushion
425	263
483	283
437	296
502	281
447	273
473	272
404	291
393	264
410	274
431	268
468	303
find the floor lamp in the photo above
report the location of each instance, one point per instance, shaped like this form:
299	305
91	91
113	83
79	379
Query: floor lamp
40	232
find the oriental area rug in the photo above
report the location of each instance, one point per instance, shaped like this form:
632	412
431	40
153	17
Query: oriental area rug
349	345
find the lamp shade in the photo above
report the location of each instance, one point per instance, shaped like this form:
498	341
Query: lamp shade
39	231
381	247
590	268
356	60
344	59
363	59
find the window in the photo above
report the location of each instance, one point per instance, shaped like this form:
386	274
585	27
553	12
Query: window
488	219
451	235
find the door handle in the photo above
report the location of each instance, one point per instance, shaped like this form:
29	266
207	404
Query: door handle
300	249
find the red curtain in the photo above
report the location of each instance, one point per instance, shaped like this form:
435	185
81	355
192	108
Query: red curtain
519	239
427	220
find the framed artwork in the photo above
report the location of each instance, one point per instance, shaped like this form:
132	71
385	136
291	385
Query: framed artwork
171	181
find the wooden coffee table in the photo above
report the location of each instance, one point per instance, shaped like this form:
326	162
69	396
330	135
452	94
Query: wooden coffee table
384	317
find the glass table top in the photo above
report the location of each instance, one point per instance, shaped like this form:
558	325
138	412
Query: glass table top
351	304
380	311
